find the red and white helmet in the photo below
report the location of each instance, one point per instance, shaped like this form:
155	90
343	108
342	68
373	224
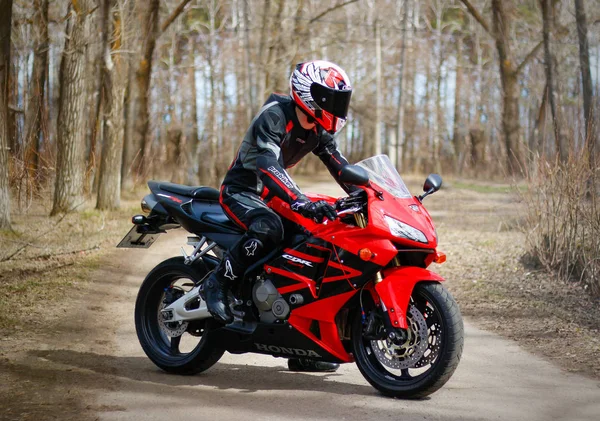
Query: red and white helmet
322	90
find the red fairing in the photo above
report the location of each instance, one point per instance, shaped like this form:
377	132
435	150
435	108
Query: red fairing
376	236
393	292
324	311
347	237
397	287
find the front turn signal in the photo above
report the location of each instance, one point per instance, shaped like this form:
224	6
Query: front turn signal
439	257
365	254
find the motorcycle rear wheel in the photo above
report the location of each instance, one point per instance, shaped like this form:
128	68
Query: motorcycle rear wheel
178	348
391	370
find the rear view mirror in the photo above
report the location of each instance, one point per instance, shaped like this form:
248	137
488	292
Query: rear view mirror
355	175
433	182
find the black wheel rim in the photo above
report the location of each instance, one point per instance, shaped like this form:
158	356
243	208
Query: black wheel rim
175	349
436	336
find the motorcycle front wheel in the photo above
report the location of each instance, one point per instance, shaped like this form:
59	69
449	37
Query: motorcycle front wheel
176	347
426	360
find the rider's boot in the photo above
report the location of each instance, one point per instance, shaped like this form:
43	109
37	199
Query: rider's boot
217	285
306	365
230	271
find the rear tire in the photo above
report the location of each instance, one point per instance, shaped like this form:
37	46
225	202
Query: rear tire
163	350
435	365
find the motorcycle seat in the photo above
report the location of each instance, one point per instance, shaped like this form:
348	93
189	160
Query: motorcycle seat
220	219
195	192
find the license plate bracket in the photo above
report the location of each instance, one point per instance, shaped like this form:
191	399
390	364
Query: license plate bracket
137	240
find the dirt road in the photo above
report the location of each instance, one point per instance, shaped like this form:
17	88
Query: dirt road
92	367
496	380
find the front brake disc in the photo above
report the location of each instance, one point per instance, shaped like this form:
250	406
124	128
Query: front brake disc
407	354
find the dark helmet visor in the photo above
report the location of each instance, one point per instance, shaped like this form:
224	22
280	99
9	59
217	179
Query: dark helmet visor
333	101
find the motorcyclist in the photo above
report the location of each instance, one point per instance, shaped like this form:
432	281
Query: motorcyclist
285	129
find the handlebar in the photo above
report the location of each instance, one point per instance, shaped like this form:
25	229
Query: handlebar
350	205
349	210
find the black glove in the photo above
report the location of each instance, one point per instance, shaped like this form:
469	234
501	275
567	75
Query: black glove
316	211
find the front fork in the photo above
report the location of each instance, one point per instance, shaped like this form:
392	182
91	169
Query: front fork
392	290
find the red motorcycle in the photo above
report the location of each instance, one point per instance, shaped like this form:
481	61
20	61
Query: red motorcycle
353	289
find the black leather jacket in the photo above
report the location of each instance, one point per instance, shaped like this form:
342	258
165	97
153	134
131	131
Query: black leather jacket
274	142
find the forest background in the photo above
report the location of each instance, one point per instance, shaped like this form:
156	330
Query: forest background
98	96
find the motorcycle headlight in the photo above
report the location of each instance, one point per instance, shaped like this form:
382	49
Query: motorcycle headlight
402	230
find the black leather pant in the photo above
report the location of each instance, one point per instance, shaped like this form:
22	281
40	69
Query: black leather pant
251	213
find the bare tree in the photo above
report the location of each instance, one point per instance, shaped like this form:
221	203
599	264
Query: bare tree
509	74
5	29
114	67
193	132
376	148
70	162
547	18
397	155
37	83
457	133
150	19
586	79
227	54
150	34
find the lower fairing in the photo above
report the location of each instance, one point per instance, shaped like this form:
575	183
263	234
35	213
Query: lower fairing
278	340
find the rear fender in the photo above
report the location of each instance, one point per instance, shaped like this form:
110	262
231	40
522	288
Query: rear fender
396	288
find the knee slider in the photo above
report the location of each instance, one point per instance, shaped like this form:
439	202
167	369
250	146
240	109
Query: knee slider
267	229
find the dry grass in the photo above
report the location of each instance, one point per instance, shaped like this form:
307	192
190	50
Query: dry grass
45	260
563	220
480	228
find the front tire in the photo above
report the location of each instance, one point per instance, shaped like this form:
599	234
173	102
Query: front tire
428	358
179	348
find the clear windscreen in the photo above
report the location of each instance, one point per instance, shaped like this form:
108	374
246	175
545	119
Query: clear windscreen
382	172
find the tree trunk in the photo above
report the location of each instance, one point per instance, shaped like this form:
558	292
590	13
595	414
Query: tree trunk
176	159
586	79
549	68
376	148
70	162
143	75
5	30
96	125
13	99
440	126
411	112
261	58
272	71
397	154
539	131
211	123
193	135
510	87
35	107
477	147
457	134
247	69
299	35
426	142
113	68
128	103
